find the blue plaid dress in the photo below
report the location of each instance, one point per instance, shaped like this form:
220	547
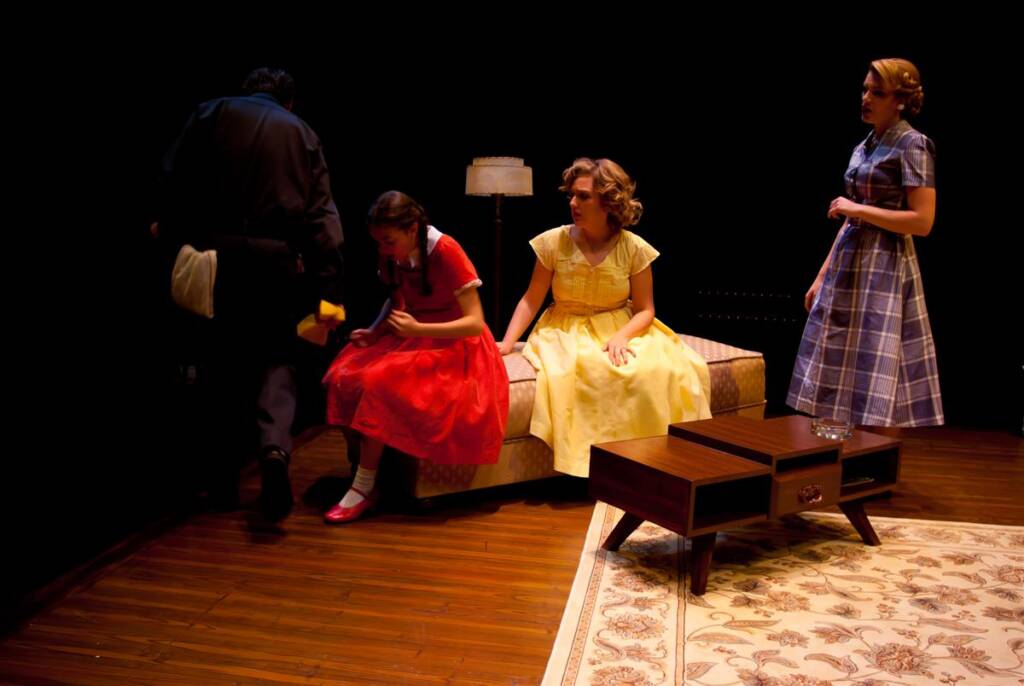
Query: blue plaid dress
867	353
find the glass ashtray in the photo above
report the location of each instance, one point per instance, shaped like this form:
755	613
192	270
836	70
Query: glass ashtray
832	429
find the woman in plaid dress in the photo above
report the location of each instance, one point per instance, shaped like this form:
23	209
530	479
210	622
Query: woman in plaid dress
867	355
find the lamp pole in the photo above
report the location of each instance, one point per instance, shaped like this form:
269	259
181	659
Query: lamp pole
496	308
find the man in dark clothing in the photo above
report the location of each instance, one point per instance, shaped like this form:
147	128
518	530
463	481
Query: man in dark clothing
248	179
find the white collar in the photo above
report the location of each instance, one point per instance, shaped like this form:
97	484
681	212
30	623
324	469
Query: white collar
433	236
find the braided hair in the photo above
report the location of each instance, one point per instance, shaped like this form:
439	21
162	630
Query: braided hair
395	208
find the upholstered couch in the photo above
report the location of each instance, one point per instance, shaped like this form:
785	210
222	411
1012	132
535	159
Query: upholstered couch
737	387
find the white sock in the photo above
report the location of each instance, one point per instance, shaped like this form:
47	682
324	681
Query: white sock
364	481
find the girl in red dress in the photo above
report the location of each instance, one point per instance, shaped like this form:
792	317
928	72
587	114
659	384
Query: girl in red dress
426	378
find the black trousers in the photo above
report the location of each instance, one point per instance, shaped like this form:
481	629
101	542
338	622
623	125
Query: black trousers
249	360
246	381
249	396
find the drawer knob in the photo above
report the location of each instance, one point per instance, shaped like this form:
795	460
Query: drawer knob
810	494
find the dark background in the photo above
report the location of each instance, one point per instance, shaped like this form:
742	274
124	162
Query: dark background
737	149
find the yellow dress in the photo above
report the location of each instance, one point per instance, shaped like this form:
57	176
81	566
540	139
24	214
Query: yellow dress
581	397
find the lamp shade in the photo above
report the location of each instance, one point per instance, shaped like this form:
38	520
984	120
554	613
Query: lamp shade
499	176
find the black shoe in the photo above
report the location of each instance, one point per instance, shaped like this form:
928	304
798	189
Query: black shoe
276	489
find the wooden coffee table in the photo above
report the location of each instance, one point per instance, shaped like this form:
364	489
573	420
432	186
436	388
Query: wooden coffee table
710	475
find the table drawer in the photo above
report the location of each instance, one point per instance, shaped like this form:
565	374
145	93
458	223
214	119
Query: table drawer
805	489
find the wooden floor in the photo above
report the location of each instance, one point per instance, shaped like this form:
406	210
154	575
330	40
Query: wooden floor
468	592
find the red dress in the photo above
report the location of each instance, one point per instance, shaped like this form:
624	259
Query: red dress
440	399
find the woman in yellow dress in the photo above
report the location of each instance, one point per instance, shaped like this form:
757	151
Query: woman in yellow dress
607	370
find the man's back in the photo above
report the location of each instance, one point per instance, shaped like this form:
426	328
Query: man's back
248	178
243	167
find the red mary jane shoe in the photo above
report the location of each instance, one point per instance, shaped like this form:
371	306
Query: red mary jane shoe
340	515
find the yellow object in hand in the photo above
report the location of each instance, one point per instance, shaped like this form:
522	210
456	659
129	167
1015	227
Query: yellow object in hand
315	327
332	312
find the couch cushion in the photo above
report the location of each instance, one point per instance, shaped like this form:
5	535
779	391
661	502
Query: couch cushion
737	375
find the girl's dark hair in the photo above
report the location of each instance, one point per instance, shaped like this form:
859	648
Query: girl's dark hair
395	208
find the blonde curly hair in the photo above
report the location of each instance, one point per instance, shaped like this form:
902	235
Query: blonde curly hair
902	78
612	186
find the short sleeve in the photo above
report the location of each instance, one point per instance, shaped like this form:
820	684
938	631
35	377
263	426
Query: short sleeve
642	254
918	162
453	263
545	246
